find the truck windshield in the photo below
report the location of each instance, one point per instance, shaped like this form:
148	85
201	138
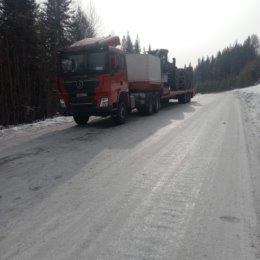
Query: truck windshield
83	62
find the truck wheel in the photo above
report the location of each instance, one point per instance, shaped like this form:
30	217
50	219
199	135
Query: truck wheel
149	106
156	105
120	116
129	111
81	119
188	97
181	99
141	110
165	101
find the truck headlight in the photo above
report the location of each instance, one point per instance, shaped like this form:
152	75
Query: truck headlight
62	103
104	102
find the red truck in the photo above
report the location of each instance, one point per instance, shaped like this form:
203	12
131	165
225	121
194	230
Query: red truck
96	78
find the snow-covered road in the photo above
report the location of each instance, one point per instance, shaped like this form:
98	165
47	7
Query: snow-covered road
181	184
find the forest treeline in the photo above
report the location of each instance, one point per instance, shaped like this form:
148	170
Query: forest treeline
236	66
30	37
32	34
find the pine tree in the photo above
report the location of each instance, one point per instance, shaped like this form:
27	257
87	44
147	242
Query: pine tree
82	26
1	15
137	47
79	26
255	43
2	72
129	44
19	61
124	44
235	66
58	23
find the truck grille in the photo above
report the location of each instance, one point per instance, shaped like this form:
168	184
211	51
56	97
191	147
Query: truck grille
81	92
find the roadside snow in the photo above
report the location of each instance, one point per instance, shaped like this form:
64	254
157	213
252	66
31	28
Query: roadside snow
252	89
251	100
250	96
12	130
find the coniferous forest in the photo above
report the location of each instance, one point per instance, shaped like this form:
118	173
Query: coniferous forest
30	37
32	34
236	66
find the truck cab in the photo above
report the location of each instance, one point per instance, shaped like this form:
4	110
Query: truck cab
92	80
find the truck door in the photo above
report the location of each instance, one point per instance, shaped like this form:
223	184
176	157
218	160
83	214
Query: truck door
119	80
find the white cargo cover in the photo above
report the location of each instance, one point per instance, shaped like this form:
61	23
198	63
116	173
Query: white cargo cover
143	67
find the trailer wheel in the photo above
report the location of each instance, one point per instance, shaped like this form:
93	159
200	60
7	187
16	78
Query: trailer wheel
81	119
120	116
156	105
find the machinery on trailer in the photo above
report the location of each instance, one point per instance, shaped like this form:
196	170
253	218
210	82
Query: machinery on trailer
96	78
177	83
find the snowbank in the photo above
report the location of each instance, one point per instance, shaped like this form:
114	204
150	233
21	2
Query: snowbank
251	99
252	89
5	131
250	96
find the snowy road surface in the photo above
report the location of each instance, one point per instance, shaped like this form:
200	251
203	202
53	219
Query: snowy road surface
181	184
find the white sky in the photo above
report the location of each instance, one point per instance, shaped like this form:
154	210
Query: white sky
189	29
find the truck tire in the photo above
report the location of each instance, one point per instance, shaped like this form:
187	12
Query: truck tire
165	101
188	97
182	99
156	105
120	116
129	110
185	98
81	119
149	106
141	110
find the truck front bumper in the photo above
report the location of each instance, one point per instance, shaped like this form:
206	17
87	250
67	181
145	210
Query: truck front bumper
85	109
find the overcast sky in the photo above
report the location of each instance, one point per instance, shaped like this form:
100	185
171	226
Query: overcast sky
189	29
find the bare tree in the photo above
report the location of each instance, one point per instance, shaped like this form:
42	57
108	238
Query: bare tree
93	20
84	24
